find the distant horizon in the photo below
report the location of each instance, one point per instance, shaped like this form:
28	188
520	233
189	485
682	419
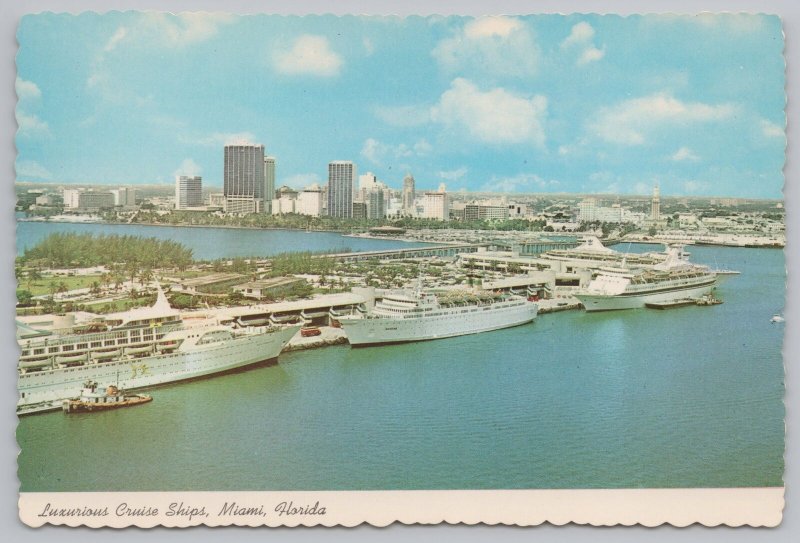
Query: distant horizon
581	103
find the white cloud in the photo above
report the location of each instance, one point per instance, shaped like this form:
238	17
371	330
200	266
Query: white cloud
167	29
301	180
683	154
309	55
494	116
118	36
188	167
218	139
373	150
185	28
422	148
581	34
581	39
642	188
31	126
591	54
520	183
487	27
454	175
403	115
771	130
369	46
502	46
27	90
378	153
743	23
629	122
27	169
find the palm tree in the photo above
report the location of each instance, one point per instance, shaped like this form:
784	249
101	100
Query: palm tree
145	276
33	276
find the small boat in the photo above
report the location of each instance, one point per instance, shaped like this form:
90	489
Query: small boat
777	318
708	300
309	332
111	398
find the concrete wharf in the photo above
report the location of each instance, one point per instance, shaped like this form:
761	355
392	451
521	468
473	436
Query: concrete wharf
451	250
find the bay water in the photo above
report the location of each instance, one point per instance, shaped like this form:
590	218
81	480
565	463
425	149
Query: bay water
690	397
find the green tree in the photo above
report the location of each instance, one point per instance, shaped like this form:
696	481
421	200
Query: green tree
24	297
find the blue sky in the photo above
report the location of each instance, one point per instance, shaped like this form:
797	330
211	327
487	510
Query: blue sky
579	103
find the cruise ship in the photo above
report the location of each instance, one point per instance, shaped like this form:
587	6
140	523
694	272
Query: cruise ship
592	253
405	316
630	288
139	348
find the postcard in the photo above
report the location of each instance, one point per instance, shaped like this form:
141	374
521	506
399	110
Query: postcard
333	270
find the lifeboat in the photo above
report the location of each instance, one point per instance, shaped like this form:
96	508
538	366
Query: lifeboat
71	358
105	354
37	363
147	349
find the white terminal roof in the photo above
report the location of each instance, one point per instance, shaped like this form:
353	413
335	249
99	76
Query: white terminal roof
322	301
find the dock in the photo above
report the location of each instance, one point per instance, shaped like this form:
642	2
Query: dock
671	305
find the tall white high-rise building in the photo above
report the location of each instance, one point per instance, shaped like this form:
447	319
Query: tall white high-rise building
188	191
341	179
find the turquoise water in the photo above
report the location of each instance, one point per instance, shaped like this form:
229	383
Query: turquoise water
213	243
690	397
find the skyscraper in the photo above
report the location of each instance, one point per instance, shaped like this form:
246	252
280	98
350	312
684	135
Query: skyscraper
655	204
376	204
269	175
245	180
408	194
341	178
188	191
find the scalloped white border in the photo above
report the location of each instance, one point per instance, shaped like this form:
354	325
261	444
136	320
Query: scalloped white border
757	507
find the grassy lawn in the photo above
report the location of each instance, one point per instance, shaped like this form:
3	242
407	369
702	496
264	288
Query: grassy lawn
73	282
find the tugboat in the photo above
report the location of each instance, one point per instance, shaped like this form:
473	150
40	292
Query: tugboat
708	299
93	400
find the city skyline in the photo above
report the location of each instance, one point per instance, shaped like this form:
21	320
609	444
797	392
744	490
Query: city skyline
538	104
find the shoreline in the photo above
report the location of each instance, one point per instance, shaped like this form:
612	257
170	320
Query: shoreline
227	226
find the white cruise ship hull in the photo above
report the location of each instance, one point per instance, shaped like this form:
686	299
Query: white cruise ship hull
44	390
607	302
442	324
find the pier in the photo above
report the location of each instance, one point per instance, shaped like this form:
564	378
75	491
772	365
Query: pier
525	248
